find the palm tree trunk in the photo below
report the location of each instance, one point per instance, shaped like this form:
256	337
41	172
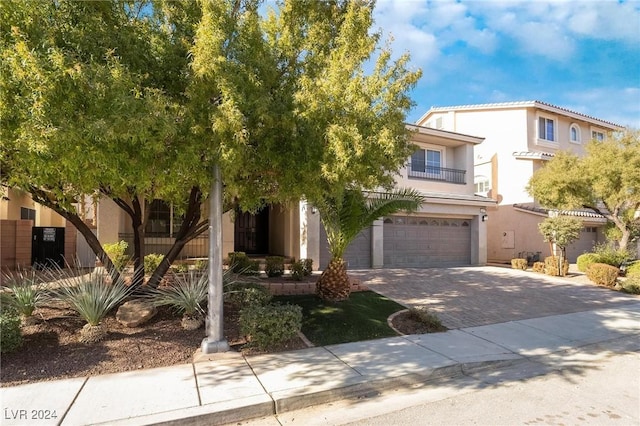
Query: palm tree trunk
334	284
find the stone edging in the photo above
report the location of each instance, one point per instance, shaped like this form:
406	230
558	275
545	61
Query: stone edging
390	319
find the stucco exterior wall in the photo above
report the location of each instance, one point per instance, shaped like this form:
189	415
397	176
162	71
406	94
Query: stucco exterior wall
13	200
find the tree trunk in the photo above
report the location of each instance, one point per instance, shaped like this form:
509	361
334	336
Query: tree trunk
334	284
190	229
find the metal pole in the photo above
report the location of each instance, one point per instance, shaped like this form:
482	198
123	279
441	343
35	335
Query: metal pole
215	342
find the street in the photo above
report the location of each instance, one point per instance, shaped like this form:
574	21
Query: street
592	389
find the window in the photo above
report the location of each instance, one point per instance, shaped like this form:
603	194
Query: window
27	214
482	185
574	133
426	161
163	222
597	135
546	129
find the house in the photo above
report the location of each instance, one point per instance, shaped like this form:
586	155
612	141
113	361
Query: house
519	138
449	229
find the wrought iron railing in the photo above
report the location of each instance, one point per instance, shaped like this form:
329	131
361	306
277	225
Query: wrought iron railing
198	247
438	173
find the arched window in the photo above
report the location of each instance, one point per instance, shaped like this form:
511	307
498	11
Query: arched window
574	134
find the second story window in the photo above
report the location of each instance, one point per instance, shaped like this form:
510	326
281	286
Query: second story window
482	185
574	133
546	129
426	161
597	135
27	214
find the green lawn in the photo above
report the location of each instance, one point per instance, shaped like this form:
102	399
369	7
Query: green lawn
362	317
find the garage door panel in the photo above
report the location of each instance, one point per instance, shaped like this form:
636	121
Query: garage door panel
426	242
357	255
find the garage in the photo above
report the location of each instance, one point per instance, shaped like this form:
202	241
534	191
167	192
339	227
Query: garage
357	255
423	242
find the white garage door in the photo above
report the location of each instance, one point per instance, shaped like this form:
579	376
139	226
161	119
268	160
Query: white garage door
423	242
357	255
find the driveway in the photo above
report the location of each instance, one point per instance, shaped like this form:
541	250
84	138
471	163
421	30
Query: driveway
473	296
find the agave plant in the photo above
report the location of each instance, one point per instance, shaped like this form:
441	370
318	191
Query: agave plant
91	295
23	292
187	295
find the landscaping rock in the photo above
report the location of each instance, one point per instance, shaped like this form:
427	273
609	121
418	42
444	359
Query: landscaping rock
135	313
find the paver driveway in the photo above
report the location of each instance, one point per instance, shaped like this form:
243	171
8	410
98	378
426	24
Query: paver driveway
473	296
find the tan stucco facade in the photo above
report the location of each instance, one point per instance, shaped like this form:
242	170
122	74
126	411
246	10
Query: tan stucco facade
512	151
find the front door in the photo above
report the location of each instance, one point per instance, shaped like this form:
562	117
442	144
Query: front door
47	247
252	232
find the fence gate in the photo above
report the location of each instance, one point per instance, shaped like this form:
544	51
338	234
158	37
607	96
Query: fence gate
47	246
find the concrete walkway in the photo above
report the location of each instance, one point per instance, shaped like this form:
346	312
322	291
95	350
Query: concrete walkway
475	296
229	388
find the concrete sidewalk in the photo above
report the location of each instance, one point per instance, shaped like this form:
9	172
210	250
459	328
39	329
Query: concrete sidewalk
229	388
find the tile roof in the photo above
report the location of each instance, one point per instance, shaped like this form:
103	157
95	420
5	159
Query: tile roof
533	155
522	104
586	213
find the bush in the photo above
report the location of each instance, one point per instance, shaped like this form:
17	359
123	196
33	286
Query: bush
187	295
240	263
10	334
538	267
181	268
274	266
297	270
307	266
201	264
631	285
633	270
151	262
246	294
551	266
519	264
585	260
271	324
611	256
603	274
25	292
89	294
117	254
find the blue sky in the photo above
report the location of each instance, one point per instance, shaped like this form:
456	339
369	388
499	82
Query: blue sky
581	55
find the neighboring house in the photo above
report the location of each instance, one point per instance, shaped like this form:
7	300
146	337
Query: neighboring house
519	138
449	229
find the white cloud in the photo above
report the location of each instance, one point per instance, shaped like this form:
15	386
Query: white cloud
618	105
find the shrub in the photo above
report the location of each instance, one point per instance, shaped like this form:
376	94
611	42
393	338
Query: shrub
274	266
307	266
201	264
422	315
240	263
297	270
187	295
519	264
585	260
24	293
603	274
246	294
631	285
633	270
151	262
271	324
10	334
117	254
89	294
611	255
551	266
181	268
538	267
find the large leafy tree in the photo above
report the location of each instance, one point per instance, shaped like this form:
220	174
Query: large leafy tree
141	100
344	218
606	179
561	231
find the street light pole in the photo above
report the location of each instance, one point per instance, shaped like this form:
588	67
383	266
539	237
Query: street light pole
215	342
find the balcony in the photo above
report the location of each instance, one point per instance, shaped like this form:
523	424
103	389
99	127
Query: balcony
441	174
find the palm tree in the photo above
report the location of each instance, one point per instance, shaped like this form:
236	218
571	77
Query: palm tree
343	217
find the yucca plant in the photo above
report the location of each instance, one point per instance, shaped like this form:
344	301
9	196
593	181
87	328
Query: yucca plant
91	295
187	295
23	292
